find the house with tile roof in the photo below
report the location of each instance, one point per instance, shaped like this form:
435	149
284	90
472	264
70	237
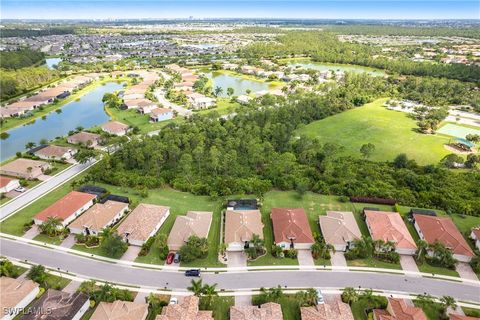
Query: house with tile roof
161	114
266	311
398	309
194	223
291	228
240	226
115	128
186	310
442	229
60	305
98	217
8	184
52	152
16	294
142	223
389	226
475	236
331	309
67	208
85	138
340	229
24	168
120	310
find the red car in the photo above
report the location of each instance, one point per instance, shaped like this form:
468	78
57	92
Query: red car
170	257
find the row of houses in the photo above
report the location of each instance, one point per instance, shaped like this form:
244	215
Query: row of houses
46	96
17	294
187	80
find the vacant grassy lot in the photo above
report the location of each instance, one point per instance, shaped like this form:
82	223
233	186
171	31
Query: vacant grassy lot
391	132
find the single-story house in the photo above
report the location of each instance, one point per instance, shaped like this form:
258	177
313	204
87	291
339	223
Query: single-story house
24	168
266	311
85	138
67	208
291	228
100	216
115	128
389	226
442	229
142	223
331	309
240	226
161	114
339	229
398	309
475	235
194	223
60	305
132	96
120	310
146	108
243	99
16	294
199	101
52	152
185	310
8	184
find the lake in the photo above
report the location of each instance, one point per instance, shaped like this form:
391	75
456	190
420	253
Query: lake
50	62
308	64
239	84
87	112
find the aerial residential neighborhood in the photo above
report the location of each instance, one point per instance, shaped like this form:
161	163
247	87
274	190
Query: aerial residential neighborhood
239	160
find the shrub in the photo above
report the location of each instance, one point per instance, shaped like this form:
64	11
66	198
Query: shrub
277	251
291	253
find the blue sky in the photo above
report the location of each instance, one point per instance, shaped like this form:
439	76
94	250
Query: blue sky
308	9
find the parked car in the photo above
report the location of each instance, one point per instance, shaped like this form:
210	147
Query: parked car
173	300
170	257
176	259
320	299
20	189
192	273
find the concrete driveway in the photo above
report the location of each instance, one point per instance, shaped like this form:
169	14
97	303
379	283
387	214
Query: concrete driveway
338	259
408	263
236	259
68	242
465	271
131	254
305	258
32	232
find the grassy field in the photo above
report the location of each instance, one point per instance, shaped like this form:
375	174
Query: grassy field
391	132
221	307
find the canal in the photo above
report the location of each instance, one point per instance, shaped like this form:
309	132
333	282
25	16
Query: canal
86	112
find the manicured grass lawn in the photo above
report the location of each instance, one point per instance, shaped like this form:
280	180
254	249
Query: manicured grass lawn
391	132
57	282
44	238
96	251
322	262
465	223
220	307
18	271
359	307
224	106
437	270
471	312
373	263
290	306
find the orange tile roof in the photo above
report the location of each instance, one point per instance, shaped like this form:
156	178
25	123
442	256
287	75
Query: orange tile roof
120	310
267	311
389	226
443	230
461	317
66	206
399	310
186	310
291	224
5	181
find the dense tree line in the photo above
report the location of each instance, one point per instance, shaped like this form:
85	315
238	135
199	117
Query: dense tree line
13	83
258	150
378	30
325	47
20	58
15	32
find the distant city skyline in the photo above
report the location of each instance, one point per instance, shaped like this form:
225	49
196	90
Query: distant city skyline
303	9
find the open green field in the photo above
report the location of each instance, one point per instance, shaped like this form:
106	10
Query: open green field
391	132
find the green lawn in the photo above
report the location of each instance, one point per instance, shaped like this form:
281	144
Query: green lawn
224	106
471	312
220	307
51	240
426	268
322	262
57	282
432	310
391	132
373	263
290	306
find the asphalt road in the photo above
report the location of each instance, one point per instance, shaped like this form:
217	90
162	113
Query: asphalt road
115	273
42	189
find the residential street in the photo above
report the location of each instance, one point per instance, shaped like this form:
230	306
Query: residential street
42	189
117	273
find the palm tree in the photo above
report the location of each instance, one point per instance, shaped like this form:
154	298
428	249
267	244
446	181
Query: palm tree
422	248
311	296
51	226
349	295
448	302
106	233
30	145
218	91
367	295
210	291
230	91
196	287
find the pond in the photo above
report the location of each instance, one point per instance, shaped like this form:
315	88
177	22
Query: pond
51	62
239	84
308	64
86	112
205	46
